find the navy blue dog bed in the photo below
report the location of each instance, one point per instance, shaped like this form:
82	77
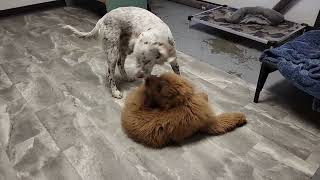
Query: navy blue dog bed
299	62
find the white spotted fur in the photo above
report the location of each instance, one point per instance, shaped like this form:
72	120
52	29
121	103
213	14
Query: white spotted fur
134	31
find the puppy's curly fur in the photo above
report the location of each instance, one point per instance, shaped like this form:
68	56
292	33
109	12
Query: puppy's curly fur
167	109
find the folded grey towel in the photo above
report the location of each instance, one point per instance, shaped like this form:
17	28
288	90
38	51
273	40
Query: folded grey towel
256	15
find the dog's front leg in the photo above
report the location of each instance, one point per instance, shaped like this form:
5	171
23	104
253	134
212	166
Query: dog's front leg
122	70
174	65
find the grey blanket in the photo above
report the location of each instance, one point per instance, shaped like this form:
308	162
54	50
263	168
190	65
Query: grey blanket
255	15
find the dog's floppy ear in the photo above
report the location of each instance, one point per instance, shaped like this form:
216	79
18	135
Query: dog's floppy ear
149	99
163	51
160	50
149	79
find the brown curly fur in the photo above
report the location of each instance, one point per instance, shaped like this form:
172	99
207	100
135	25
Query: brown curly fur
167	109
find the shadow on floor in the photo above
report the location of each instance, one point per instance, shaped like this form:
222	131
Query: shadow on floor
295	99
229	37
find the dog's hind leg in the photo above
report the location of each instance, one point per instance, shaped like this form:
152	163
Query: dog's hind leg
124	51
226	122
111	44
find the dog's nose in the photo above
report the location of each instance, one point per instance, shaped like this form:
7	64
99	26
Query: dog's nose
140	74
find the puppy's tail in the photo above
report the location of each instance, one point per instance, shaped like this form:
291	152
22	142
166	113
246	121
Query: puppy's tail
85	35
226	122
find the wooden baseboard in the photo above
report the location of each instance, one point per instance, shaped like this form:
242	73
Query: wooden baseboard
26	9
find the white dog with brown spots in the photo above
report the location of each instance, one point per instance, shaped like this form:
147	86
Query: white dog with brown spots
136	32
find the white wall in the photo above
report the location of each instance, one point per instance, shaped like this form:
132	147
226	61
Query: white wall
8	4
305	11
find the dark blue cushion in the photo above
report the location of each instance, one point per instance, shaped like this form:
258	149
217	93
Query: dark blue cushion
299	61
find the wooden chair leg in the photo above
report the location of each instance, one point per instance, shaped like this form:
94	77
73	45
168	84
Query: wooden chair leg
264	72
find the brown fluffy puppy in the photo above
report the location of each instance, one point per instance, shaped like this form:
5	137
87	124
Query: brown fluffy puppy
167	109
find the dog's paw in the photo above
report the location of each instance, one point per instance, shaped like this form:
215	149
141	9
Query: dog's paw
241	118
176	70
117	94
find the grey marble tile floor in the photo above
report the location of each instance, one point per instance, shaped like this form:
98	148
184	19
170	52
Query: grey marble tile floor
59	121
